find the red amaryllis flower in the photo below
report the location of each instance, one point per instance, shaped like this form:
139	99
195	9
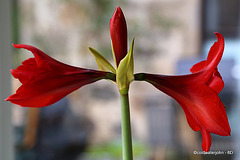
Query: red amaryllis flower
197	93
46	80
118	31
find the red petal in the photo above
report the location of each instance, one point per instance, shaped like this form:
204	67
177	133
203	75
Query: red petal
46	80
205	106
216	52
210	65
118	31
198	67
206	140
25	71
214	55
47	62
191	121
215	82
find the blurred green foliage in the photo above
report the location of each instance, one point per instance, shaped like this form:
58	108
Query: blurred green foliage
113	150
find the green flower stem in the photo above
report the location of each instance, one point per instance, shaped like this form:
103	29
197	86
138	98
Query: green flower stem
126	128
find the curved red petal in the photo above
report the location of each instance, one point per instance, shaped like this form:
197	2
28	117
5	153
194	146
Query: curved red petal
216	52
214	56
206	140
46	80
46	62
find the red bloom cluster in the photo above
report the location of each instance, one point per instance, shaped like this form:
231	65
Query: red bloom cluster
46	80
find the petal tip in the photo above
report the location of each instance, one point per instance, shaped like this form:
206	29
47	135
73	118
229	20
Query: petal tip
219	36
118	13
206	147
14	45
17	45
118	9
9	98
229	132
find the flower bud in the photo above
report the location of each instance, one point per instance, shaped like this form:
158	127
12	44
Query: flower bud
118	31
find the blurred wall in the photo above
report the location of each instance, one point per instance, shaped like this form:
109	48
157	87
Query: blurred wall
6	131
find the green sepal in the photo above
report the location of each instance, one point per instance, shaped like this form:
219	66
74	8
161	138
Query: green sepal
103	64
114	55
125	69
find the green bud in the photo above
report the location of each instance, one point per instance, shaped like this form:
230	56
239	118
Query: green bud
125	69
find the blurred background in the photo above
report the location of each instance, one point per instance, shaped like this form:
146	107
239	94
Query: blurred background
170	36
